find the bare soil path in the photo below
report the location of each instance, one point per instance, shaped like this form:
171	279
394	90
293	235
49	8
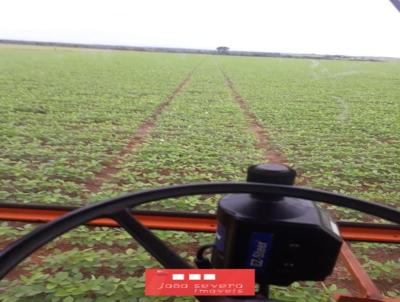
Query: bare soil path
340	276
94	184
270	155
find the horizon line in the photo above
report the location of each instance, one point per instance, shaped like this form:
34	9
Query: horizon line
197	50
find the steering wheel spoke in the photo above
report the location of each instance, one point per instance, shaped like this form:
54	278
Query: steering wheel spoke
149	241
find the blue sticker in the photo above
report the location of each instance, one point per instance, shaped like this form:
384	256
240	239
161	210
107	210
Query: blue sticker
220	237
259	251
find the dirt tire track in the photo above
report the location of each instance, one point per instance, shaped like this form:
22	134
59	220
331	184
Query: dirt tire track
274	156
270	154
94	184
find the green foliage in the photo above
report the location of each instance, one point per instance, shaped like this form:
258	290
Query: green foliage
306	292
65	114
337	122
64	286
201	137
386	270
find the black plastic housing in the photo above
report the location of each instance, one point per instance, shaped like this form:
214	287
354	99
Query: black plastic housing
284	239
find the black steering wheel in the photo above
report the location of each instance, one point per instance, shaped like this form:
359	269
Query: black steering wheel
119	210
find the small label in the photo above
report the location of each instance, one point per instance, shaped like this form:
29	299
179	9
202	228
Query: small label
259	250
199	282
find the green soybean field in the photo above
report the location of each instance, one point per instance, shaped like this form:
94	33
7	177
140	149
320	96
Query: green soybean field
81	126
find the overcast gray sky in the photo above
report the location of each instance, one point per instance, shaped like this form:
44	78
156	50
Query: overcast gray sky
350	27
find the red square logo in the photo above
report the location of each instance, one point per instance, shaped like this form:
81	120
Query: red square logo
200	282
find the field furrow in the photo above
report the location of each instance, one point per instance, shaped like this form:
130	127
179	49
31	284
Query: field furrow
65	115
335	143
270	154
203	136
94	184
340	130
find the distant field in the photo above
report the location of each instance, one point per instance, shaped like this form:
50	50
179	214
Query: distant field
79	126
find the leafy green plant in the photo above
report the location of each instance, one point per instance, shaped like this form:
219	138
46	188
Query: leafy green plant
71	113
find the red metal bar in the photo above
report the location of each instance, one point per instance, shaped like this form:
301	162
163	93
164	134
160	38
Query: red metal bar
151	220
370	232
366	285
185	222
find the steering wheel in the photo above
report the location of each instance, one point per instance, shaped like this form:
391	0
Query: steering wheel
119	210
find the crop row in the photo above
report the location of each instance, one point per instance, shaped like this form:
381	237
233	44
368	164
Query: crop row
65	114
189	151
338	123
203	136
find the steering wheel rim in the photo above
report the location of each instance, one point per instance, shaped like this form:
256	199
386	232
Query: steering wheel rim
119	210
